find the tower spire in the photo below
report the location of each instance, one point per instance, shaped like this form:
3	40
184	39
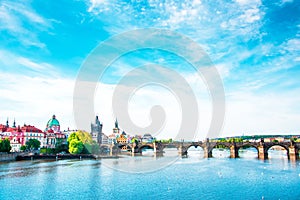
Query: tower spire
116	124
14	124
97	120
7	125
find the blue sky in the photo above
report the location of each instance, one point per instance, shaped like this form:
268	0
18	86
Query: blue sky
255	45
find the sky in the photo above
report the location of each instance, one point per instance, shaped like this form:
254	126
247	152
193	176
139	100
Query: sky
254	45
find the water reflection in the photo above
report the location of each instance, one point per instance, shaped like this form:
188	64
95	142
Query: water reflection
221	153
248	153
277	152
194	152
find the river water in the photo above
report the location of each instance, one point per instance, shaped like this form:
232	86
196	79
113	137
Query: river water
185	178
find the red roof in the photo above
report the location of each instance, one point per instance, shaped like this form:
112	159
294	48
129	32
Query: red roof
50	131
32	129
2	127
10	129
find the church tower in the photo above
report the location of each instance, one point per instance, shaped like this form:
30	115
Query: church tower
96	131
116	130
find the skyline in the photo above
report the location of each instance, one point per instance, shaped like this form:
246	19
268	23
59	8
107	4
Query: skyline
254	45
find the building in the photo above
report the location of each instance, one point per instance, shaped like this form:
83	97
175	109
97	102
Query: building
53	124
116	130
122	139
111	139
31	132
53	133
68	132
96	131
18	136
104	139
147	138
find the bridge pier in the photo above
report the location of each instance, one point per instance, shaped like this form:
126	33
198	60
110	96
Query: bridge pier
262	153
293	153
132	151
234	151
182	151
111	150
207	152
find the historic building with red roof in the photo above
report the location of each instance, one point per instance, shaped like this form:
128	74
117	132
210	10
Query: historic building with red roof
18	136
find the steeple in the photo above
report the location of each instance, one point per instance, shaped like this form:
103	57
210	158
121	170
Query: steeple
14	124
7	125
97	120
116	124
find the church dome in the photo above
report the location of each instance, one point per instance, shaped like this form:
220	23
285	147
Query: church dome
52	122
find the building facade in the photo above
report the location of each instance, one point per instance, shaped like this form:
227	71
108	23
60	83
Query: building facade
18	135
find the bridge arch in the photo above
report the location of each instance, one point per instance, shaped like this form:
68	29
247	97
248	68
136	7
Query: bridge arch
169	145
277	144
248	145
124	147
221	150
169	149
225	144
194	146
286	150
195	151
145	146
248	150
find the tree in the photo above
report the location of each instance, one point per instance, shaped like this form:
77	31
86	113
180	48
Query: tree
75	146
60	146
33	144
82	142
5	145
23	148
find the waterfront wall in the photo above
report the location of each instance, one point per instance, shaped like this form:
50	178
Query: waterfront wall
8	156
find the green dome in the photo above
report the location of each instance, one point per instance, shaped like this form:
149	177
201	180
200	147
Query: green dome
52	122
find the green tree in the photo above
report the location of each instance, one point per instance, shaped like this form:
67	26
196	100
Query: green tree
5	145
82	142
23	148
60	145
75	146
33	144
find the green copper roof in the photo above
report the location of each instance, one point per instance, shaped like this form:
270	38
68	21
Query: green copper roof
52	122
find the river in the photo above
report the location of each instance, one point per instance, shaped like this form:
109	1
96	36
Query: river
185	178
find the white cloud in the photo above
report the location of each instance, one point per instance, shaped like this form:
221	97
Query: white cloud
34	100
248	2
22	64
22	22
249	113
292	45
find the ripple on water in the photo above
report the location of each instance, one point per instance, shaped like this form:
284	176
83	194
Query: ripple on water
191	177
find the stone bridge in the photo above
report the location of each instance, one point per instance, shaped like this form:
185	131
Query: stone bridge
262	147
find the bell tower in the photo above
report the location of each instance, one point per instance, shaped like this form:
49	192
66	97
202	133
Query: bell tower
116	130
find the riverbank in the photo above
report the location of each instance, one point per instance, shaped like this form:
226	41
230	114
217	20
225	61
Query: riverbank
8	157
